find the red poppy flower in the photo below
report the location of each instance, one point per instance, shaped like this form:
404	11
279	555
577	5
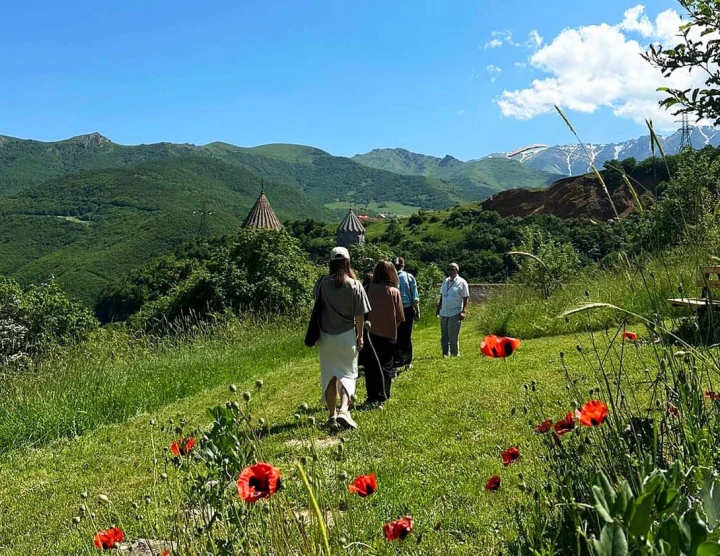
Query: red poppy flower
714	396
165	553
398	529
544	427
105	540
592	414
182	447
495	346
629	336
510	455
672	410
493	483
258	481
364	485
565	425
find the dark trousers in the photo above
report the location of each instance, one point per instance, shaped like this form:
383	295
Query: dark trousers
403	347
378	378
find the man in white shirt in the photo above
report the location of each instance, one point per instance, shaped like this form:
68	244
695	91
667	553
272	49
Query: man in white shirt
452	309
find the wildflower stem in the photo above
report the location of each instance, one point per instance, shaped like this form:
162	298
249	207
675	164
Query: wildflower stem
316	508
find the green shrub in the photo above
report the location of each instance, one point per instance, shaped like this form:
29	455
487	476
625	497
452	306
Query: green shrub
553	262
258	272
34	320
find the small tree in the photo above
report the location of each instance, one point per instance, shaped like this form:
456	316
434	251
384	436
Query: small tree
364	257
698	49
557	262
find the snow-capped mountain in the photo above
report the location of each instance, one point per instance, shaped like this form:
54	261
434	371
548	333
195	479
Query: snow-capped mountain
572	160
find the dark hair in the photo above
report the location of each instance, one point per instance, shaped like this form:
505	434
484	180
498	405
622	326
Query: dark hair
399	262
341	269
385	273
368	279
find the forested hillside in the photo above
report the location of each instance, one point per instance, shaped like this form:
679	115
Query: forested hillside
89	228
479	177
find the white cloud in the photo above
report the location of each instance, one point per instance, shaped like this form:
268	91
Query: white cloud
461	112
598	66
534	39
500	38
494	71
520	65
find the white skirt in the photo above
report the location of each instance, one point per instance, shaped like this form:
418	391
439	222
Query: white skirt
338	358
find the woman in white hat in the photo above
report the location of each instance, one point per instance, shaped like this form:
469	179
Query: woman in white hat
344	304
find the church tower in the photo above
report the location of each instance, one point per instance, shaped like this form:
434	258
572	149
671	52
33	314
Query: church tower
262	216
350	231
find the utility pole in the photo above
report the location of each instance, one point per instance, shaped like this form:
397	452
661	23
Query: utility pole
203	227
685	140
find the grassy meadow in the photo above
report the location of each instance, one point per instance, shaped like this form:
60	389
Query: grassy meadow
83	426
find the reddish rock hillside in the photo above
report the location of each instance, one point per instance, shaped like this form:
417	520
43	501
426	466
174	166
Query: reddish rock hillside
574	197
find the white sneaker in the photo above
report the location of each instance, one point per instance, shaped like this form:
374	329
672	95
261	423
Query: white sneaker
345	420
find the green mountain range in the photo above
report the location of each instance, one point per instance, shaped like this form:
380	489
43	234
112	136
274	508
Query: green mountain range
87	210
482	178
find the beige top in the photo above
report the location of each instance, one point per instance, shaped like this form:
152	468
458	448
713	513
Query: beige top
387	310
341	305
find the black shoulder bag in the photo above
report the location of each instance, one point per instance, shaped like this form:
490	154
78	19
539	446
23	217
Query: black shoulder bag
312	335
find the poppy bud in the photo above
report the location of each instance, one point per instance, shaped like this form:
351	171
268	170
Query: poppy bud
246	396
311	420
297	416
304	407
139	517
579	348
103	499
76	519
148	499
235	405
259	384
342	476
83	509
93	516
84	495
261	422
587	293
228	405
152	422
232	388
163	476
342	540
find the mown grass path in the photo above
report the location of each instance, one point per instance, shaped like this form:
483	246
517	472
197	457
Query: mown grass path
432	449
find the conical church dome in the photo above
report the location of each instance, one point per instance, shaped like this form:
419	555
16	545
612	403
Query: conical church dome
351	223
350	231
262	216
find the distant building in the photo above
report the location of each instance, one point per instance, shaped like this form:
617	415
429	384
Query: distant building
350	231
262	216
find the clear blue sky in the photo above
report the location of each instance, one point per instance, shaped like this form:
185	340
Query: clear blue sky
345	76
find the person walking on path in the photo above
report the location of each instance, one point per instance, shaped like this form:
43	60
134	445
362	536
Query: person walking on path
411	308
385	317
344	305
452	309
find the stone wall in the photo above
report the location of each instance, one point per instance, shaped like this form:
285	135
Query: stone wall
480	292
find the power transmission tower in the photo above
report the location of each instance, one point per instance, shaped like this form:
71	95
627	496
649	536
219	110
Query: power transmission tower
685	140
203	227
